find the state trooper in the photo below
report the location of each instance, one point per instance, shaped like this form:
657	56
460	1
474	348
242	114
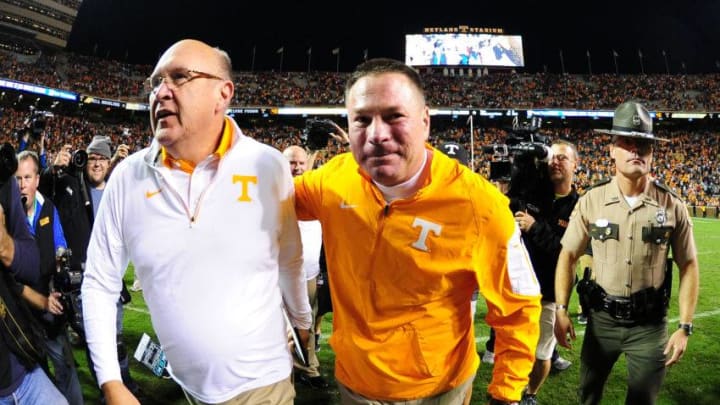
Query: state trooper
631	221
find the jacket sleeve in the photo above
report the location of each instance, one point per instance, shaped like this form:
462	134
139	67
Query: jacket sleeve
292	277
25	265
107	260
508	283
308	194
58	234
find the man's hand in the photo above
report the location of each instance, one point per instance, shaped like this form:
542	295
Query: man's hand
304	335
676	346
525	221
116	393
340	135
54	306
563	326
121	153
62	158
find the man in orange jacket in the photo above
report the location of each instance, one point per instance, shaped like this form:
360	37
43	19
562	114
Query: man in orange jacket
409	234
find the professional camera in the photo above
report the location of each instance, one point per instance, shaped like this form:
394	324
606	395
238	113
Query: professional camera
67	281
78	162
36	123
522	161
317	133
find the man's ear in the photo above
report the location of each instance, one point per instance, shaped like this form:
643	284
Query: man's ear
426	122
226	94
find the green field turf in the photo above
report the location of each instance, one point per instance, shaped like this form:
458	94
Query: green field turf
695	380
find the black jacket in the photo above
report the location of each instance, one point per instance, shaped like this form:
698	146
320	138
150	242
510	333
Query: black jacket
71	195
543	241
20	336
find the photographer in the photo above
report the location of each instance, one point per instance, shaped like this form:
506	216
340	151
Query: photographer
44	222
22	380
75	183
32	137
542	232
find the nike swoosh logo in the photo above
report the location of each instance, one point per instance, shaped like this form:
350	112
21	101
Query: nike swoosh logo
344	205
151	194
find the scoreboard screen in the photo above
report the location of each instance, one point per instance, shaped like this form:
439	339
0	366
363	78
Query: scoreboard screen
464	50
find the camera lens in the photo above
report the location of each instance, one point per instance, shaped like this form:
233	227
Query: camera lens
79	159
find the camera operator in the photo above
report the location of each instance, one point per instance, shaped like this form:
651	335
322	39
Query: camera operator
75	183
44	222
21	348
542	233
34	141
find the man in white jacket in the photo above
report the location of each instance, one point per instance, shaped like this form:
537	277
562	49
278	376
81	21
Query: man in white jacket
206	216
311	235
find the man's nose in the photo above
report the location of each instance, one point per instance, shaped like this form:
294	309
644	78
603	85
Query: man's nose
378	131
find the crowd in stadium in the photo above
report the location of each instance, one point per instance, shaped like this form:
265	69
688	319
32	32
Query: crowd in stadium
112	79
684	163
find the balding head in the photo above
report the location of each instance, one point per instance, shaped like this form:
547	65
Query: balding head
201	50
297	157
189	102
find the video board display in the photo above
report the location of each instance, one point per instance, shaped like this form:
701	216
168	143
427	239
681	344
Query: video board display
464	50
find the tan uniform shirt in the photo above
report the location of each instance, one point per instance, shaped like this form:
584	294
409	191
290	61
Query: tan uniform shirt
630	244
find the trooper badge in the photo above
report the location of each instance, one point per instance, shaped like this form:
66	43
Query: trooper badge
661	216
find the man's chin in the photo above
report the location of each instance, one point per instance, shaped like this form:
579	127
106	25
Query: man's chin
164	136
385	176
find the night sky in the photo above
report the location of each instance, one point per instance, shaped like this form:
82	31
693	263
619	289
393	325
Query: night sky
139	30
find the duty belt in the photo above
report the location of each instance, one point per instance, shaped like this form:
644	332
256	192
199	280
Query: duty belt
643	305
620	308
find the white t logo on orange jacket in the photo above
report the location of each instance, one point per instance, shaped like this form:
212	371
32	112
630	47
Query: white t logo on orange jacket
426	226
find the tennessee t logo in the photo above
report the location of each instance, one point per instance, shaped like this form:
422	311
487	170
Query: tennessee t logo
426	227
452	149
244	197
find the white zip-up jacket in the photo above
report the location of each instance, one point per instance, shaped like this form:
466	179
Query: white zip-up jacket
217	252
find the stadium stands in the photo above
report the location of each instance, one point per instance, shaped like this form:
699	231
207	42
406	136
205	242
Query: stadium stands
687	163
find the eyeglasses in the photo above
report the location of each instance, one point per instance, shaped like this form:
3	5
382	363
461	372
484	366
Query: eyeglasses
175	79
101	159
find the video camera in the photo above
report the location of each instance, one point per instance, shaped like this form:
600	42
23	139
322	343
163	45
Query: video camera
36	123
523	142
317	133
522	162
67	281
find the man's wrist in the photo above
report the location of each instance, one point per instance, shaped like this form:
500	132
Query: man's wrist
687	328
561	307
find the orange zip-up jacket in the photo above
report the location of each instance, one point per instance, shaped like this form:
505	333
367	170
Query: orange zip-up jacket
402	275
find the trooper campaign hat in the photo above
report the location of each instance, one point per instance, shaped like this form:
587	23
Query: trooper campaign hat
632	120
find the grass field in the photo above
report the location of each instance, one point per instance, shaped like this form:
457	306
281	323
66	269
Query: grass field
695	380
